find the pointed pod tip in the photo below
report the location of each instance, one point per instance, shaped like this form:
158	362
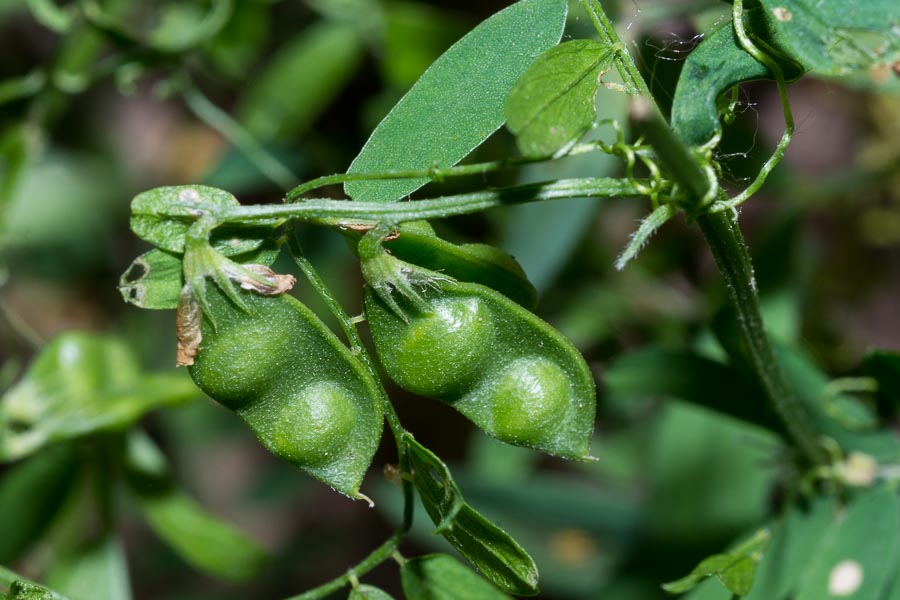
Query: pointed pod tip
360	496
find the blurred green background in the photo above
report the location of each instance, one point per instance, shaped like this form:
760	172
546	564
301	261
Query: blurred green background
89	118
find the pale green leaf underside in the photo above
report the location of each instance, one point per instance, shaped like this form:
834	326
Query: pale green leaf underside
837	37
458	101
552	104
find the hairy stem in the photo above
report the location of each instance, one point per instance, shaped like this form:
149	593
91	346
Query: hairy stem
748	45
335	212
733	259
728	247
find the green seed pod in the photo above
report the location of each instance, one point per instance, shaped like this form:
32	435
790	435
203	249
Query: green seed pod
509	372
304	394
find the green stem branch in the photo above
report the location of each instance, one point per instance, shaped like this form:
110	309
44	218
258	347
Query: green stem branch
336	212
751	48
726	242
378	556
733	259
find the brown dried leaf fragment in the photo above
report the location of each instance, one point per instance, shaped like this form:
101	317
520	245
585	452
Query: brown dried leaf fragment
187	327
268	282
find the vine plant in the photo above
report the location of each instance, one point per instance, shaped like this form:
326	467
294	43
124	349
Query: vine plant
454	322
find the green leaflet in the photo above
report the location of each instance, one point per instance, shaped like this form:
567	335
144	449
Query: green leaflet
162	216
458	102
553	104
855	560
81	384
828	37
490	549
442	577
835	37
200	538
154	279
368	592
735	568
796	541
307	398
301	80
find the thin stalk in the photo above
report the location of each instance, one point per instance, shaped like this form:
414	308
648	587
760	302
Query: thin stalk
219	120
334	212
436	173
378	556
359	349
751	48
730	251
733	259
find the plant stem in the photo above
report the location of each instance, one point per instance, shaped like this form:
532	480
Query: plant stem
748	45
378	556
438	173
728	247
733	259
336	212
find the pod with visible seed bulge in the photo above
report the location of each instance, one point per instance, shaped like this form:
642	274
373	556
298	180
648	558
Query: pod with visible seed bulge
505	369
301	391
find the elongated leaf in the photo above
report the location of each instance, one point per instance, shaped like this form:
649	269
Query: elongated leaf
458	101
30	494
97	571
442	577
81	384
490	549
553	103
200	538
368	592
855	560
301	80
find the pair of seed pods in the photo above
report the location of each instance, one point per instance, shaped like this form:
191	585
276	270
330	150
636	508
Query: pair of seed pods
311	401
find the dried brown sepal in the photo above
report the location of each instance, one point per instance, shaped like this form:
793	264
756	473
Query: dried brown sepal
187	327
268	282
